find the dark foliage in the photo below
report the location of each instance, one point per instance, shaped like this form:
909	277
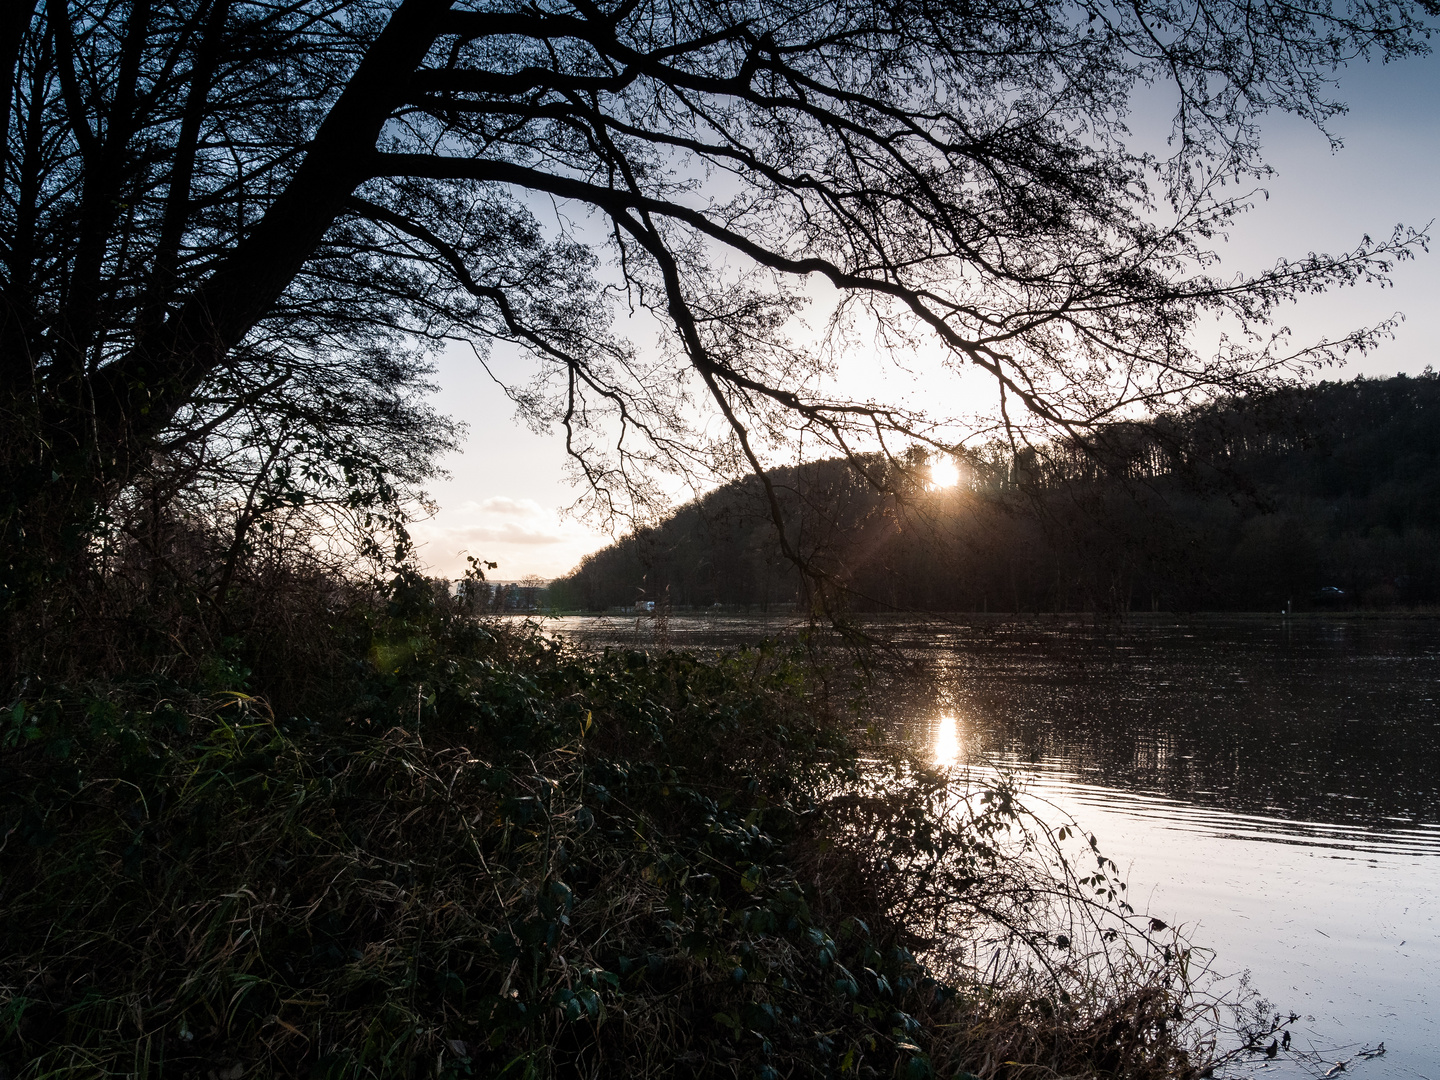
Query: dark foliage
493	856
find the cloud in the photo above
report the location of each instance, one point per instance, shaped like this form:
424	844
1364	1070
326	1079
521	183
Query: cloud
508	532
506	507
521	534
496	520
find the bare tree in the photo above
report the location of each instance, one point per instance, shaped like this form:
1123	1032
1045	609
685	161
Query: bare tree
210	193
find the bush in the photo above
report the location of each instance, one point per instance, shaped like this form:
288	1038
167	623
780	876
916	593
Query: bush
495	855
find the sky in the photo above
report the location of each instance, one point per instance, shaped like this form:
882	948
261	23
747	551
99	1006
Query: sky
506	494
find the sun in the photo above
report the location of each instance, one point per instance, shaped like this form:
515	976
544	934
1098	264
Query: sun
944	473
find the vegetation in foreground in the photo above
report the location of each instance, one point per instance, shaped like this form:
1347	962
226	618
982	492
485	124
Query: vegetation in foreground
495	856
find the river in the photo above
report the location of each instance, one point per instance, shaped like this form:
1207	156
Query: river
1271	785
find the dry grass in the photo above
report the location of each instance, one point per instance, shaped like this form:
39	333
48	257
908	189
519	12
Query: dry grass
498	857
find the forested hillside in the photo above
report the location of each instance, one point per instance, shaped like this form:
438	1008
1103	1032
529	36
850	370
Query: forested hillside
1253	504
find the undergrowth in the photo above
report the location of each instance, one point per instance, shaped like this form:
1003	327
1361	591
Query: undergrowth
492	855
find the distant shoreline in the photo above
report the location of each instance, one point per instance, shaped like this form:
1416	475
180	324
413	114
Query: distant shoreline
1353	615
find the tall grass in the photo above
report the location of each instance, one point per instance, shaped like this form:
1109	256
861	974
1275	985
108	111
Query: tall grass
481	853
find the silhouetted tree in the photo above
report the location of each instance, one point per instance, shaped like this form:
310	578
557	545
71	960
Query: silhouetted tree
210	204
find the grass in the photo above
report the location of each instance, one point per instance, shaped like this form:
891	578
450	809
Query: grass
494	856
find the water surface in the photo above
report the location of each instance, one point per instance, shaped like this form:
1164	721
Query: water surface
1271	785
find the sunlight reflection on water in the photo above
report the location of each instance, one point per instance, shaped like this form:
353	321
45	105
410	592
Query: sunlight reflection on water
947	741
1337	921
1273	787
1279	799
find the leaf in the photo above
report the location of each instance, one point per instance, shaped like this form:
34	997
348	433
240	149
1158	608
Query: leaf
750	880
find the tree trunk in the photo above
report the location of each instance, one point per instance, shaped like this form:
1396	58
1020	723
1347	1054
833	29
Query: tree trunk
71	445
143	390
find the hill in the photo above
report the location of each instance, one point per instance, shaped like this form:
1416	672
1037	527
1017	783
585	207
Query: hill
1249	504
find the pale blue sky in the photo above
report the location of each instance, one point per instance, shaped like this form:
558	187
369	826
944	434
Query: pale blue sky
507	486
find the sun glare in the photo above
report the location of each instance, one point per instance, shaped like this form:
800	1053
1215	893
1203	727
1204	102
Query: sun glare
947	742
944	473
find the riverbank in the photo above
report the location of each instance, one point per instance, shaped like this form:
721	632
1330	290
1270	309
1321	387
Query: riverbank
1270	783
496	855
793	614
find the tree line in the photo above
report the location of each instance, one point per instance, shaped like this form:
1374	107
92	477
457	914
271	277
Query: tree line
1246	504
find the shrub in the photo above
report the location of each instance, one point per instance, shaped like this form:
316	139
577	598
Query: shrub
495	855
